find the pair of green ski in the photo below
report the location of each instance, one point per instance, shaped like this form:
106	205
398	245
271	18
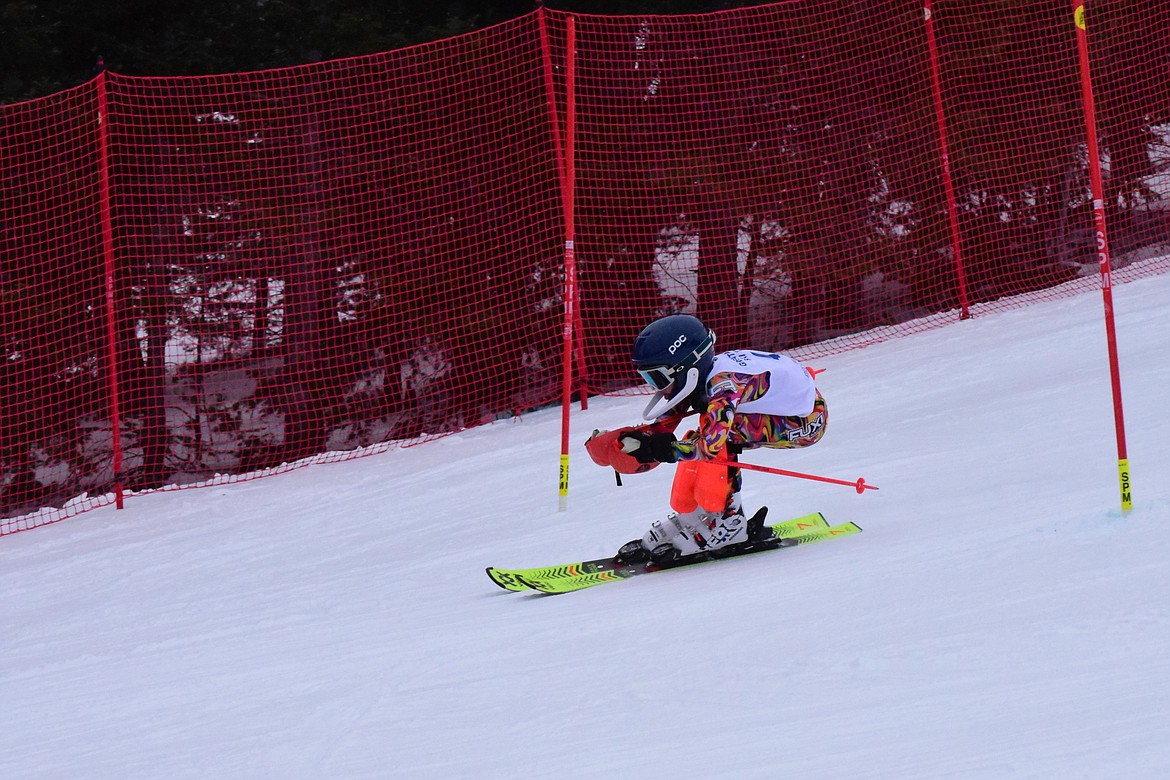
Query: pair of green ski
569	577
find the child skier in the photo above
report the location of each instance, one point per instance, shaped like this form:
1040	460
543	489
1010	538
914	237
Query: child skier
745	399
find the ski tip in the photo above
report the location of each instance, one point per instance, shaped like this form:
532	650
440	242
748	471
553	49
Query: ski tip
491	573
511	581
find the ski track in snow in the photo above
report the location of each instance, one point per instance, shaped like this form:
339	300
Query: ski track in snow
999	617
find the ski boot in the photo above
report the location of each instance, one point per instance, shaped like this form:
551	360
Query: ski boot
662	545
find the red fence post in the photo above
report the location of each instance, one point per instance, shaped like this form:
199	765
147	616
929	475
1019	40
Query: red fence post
1097	184
110	268
944	154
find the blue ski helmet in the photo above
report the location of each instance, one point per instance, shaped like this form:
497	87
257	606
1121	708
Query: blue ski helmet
667	350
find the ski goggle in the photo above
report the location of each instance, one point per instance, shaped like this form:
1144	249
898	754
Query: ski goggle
662	377
659	377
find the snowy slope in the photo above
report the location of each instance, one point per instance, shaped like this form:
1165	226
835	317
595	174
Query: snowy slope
998	618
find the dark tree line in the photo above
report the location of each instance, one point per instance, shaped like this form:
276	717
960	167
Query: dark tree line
50	45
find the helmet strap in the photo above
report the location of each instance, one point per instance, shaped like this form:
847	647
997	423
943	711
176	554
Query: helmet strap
660	404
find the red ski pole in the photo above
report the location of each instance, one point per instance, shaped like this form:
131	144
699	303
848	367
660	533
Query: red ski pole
858	485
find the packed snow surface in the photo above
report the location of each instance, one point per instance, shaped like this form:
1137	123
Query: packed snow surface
1000	616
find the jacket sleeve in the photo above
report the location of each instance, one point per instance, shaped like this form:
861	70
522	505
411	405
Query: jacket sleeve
716	422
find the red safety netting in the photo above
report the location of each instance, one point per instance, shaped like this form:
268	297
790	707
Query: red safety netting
207	279
778	171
